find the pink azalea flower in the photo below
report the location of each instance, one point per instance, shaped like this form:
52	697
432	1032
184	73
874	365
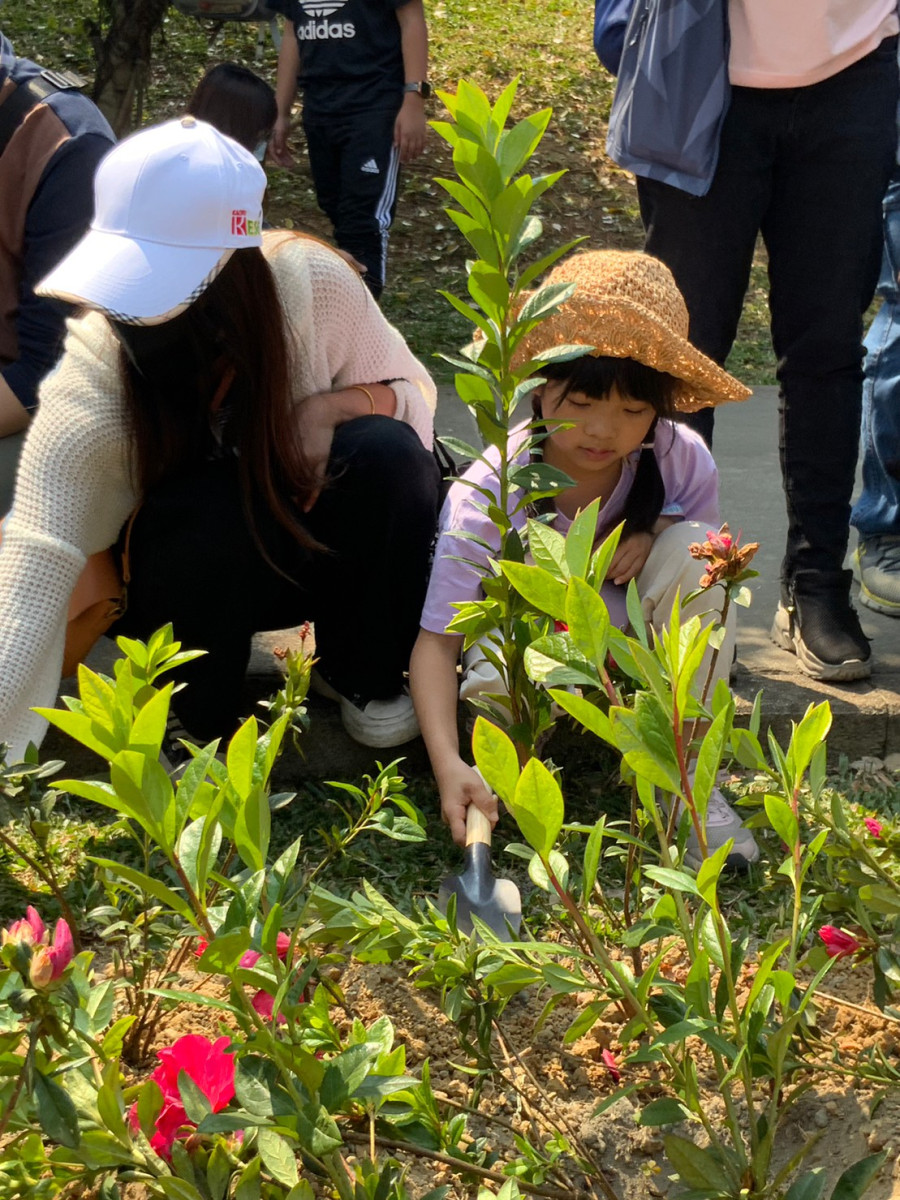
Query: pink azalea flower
31	929
874	827
49	962
208	1066
838	944
264	1004
609	1061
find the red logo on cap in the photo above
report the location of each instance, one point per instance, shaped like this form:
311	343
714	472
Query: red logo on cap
239	222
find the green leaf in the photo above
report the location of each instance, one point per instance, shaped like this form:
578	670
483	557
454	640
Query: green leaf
253	827
807	737
224	951
540	875
589	715
554	659
241	757
195	1102
580	540
697	1168
782	820
538	587
665	1111
248	1184
538	807
175	1188
677	881
317	1131
56	1112
548	549
150	885
278	1157
644	736
856	1179
588	620
218	1173
496	758
592	850
810	1185
149	1106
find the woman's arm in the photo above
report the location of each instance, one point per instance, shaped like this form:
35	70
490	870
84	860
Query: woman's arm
435	693
343	337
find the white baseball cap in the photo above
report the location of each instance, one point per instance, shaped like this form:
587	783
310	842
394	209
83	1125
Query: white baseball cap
171	205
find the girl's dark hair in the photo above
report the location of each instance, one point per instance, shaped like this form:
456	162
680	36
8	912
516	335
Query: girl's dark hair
595	377
173	372
237	102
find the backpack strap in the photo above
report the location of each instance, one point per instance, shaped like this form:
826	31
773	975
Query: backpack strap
28	95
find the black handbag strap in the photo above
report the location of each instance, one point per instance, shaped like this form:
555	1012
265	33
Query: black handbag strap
28	95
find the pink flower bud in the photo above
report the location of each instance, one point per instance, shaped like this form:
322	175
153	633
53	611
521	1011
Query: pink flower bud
62	950
40	971
874	827
838	943
31	929
609	1061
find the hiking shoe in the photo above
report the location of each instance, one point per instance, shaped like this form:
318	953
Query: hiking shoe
876	564
722	824
823	630
376	723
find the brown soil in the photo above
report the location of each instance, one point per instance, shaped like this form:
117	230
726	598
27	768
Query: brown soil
547	1084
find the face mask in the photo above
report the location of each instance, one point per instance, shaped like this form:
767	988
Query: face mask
259	151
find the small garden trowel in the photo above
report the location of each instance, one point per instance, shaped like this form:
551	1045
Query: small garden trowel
495	901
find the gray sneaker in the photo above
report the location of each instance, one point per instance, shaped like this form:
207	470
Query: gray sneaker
722	824
876	564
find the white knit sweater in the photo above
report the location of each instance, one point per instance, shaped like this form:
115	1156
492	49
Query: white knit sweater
74	489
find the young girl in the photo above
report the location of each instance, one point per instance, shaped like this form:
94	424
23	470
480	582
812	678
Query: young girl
609	417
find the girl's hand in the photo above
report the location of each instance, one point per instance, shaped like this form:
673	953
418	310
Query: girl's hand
460	785
629	558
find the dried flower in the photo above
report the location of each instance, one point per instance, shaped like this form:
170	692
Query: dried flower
874	827
609	1061
211	1069
725	559
838	943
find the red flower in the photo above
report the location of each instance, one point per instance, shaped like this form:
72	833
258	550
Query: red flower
838	944
208	1066
609	1061
874	827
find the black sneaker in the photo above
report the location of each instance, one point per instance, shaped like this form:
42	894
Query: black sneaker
821	627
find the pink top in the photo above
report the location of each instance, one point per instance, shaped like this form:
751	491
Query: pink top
691	484
795	43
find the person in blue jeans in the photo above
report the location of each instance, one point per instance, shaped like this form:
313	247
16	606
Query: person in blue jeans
876	515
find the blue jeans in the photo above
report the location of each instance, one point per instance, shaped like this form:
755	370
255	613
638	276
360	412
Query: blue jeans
877	511
807	167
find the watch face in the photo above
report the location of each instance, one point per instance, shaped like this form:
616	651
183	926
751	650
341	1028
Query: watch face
425	89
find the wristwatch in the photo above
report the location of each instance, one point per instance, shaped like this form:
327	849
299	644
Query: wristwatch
422	86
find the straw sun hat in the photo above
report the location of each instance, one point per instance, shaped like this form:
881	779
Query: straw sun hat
626	305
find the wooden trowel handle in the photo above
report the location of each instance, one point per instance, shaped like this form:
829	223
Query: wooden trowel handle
478	827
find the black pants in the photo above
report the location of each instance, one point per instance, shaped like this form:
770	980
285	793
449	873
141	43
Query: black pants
355	168
195	562
808	168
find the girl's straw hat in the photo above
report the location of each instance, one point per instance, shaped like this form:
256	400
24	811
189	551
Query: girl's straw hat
626	305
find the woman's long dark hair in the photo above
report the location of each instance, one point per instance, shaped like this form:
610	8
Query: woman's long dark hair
595	377
237	101
174	371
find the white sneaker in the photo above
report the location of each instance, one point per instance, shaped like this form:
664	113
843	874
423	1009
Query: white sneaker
722	824
378	723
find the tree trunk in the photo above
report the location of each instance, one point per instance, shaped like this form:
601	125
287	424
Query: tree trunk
123	58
